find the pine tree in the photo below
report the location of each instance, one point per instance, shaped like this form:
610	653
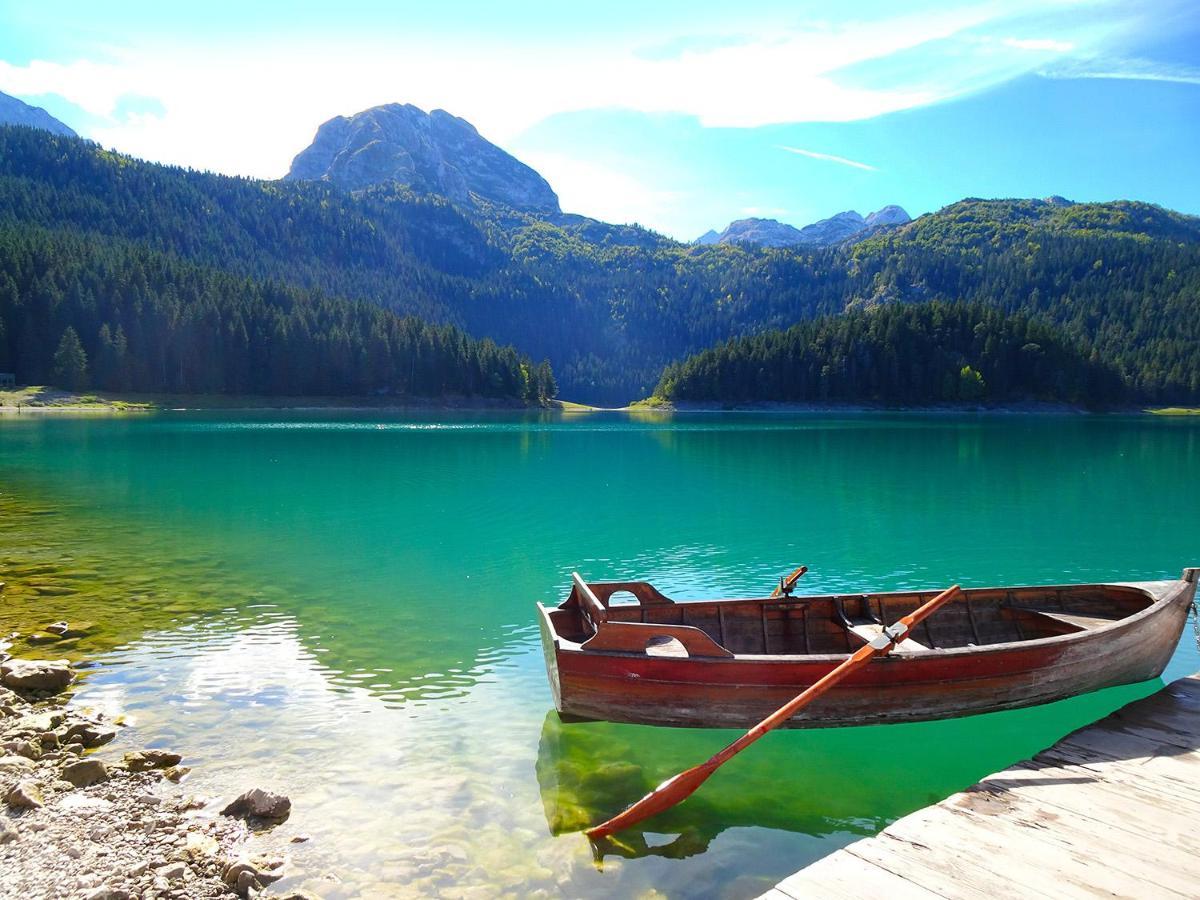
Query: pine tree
70	362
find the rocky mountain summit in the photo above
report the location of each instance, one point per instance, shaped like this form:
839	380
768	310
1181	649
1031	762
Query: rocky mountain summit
433	152
18	112
825	233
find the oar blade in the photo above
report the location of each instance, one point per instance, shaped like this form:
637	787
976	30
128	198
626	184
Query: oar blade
672	791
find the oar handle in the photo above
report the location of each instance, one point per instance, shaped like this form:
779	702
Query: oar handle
786	584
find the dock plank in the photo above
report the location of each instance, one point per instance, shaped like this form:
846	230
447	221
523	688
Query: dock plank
1108	811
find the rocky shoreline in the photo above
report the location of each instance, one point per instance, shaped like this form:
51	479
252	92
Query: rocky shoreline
72	825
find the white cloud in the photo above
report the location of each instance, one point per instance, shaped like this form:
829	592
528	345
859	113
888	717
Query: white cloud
829	157
248	106
601	191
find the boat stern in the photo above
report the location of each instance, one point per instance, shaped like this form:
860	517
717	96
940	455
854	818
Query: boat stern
550	653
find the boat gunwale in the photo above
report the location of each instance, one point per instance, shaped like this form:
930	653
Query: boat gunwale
1162	593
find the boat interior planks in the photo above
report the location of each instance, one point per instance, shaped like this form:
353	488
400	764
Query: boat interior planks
728	663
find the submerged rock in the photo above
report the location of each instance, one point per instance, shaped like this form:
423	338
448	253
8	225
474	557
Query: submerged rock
36	674
59	628
252	873
259	804
145	760
90	734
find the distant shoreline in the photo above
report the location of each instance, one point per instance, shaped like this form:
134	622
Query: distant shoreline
44	400
41	400
1024	408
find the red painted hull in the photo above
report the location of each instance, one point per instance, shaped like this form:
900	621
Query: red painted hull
739	690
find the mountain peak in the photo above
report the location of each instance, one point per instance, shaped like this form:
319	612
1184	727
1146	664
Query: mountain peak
837	228
18	112
435	152
888	215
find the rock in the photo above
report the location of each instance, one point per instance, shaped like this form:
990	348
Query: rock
139	870
248	873
104	892
25	795
36	674
200	846
260	804
85	772
40	723
59	628
48	739
43	637
28	749
79	629
10	765
172	872
90	734
176	773
145	760
434	153
8	832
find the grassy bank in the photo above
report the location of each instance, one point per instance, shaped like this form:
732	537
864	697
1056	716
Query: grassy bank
42	398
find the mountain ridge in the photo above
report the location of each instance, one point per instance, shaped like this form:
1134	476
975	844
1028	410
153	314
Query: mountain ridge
609	306
837	228
18	112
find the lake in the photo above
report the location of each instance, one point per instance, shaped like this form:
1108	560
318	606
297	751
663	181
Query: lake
340	606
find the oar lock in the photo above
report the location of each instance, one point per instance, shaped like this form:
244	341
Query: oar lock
893	634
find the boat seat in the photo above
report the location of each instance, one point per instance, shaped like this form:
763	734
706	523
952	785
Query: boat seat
868	631
1085	623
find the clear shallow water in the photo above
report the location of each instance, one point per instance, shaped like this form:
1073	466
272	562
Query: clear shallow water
340	606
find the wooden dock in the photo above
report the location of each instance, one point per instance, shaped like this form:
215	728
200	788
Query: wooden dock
1111	810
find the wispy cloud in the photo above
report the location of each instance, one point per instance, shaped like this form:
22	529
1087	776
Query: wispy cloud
1042	45
829	157
1123	68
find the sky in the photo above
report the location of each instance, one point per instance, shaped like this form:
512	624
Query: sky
680	116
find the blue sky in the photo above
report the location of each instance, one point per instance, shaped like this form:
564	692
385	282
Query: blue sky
678	115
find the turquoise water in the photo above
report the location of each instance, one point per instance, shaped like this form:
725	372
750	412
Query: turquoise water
340	606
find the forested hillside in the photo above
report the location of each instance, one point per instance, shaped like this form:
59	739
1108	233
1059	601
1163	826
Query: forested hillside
610	306
102	313
903	355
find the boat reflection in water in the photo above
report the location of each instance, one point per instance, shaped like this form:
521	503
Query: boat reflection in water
590	771
832	784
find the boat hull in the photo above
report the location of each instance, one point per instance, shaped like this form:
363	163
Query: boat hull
740	690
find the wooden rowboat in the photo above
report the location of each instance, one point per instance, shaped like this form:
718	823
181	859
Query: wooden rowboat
730	663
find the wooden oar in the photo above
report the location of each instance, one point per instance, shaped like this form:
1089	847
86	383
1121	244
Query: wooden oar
678	788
